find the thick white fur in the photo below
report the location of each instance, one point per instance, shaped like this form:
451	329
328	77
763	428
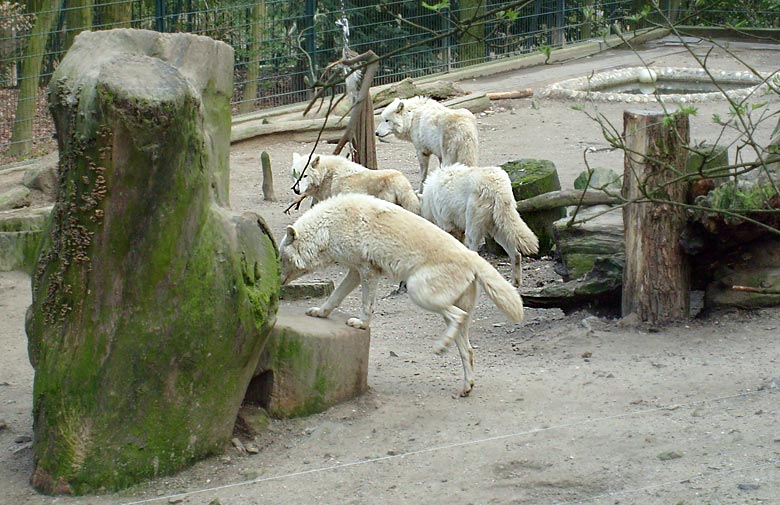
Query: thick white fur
372	237
478	202
330	175
448	134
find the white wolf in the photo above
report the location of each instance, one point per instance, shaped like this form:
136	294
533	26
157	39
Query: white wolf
448	134
371	237
330	175
478	202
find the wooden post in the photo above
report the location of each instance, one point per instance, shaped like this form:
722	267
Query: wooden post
268	177
656	278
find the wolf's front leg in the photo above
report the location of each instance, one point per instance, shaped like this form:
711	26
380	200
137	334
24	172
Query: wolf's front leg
368	285
347	285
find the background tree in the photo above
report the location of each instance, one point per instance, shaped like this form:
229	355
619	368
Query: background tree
46	12
78	17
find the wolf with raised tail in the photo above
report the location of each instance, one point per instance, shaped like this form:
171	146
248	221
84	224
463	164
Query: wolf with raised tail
371	237
477	202
434	129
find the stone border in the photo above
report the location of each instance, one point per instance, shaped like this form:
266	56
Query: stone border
579	88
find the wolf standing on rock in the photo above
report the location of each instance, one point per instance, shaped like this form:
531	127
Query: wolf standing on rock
449	134
372	237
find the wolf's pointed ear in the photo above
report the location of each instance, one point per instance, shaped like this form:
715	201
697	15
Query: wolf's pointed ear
400	106
292	235
315	161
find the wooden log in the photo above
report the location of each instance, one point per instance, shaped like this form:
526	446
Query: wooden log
268	177
566	198
506	95
656	279
475	102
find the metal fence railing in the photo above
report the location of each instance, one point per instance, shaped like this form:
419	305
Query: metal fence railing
279	45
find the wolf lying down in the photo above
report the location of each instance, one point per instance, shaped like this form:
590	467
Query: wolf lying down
372	237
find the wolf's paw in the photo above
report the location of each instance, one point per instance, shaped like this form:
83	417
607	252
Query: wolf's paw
440	348
358	323
316	312
466	390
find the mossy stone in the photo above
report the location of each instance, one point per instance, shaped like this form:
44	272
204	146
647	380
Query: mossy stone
706	156
599	178
21	233
151	301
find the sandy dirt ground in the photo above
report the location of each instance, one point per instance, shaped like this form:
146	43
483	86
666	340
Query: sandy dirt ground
566	408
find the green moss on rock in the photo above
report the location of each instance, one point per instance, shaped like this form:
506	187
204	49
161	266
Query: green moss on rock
151	303
532	177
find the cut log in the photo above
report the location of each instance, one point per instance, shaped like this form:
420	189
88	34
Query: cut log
407	88
507	95
151	300
566	198
475	102
656	279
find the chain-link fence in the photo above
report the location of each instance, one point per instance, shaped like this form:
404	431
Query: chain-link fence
281	45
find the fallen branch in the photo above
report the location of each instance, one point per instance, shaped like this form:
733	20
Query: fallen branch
751	289
566	198
505	95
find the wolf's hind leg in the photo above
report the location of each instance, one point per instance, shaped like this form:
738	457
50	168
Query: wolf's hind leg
454	318
515	258
466	302
350	282
476	219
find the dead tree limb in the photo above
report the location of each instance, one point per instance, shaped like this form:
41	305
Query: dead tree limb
566	198
360	129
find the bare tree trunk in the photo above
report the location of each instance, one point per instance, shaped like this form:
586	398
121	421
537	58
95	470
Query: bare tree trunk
256	21
472	41
21	138
117	15
656	278
78	19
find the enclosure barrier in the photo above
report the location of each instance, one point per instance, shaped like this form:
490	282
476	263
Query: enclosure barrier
281	46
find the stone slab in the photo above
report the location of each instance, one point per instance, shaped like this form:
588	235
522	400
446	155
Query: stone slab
309	364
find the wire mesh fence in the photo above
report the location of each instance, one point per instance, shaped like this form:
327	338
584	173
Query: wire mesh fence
280	46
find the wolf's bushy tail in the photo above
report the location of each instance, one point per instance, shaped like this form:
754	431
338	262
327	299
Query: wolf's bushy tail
506	297
511	225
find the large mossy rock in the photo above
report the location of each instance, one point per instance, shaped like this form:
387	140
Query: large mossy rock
578	246
531	178
755	266
151	300
21	231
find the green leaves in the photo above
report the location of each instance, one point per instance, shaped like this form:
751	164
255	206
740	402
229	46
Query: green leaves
437	7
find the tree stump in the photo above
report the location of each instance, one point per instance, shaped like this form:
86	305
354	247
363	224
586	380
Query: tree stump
151	300
656	278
